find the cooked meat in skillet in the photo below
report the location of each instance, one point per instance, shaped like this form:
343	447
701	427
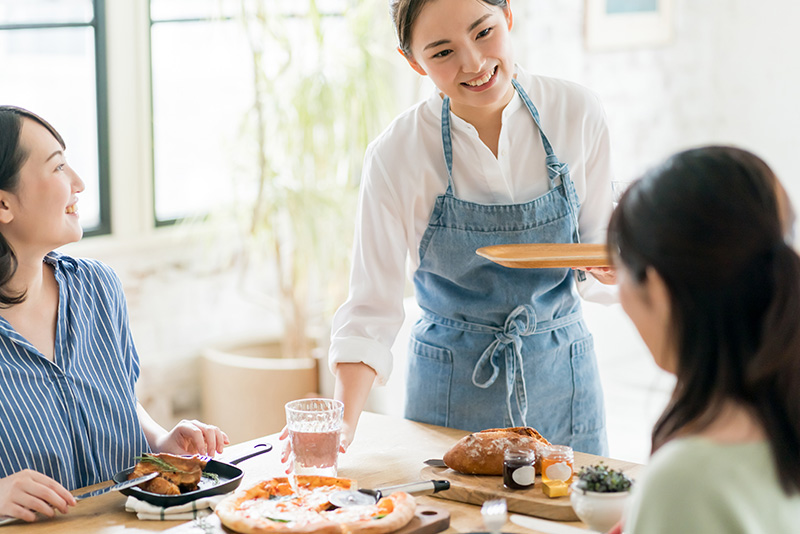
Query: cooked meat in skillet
161	486
177	473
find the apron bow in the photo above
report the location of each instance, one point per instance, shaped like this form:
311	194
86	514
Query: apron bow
508	341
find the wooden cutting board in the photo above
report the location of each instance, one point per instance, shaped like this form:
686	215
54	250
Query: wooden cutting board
547	255
475	489
427	520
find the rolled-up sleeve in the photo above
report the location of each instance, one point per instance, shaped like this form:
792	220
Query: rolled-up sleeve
366	325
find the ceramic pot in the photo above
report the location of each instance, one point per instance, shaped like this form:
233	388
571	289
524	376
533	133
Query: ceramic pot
244	389
599	511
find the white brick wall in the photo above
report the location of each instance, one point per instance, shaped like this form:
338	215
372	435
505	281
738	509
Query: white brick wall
731	74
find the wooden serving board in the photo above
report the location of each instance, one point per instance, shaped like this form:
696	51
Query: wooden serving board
427	520
547	255
475	489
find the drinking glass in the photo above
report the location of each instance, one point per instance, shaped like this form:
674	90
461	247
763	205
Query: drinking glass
314	428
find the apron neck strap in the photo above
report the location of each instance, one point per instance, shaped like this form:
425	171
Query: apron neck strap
554	166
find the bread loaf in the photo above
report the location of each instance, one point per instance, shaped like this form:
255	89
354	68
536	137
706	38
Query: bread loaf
481	453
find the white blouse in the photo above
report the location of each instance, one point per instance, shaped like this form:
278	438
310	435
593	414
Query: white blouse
404	172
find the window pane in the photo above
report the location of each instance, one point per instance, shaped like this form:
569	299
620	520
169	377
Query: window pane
45	11
202	88
193	9
52	73
631	6
205	147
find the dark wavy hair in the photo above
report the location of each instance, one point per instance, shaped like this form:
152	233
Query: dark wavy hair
712	223
405	13
12	157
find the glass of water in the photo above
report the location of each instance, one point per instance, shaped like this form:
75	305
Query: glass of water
314	428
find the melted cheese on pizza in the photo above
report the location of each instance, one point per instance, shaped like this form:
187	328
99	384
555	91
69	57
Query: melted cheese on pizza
308	506
274	506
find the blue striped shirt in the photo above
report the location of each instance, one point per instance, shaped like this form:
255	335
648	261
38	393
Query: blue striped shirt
73	419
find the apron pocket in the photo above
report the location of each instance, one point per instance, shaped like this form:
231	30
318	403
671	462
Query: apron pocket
588	414
430	370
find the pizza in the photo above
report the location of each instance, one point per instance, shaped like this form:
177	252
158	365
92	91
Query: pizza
274	506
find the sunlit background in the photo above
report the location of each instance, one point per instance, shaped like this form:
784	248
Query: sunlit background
155	100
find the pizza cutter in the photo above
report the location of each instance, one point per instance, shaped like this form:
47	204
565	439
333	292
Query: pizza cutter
344	498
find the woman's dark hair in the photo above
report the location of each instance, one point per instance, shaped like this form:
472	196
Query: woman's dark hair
712	223
12	157
405	13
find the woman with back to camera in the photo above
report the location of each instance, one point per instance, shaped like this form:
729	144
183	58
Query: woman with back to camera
709	277
495	155
68	366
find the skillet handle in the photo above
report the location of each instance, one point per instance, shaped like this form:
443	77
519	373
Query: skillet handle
261	449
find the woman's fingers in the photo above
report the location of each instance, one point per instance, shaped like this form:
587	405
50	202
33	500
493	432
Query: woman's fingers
287	451
28	492
20	512
193	439
53	493
209	437
222	440
287	445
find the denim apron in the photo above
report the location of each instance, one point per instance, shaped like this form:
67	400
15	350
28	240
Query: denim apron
496	346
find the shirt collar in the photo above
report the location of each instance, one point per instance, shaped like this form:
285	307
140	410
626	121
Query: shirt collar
60	261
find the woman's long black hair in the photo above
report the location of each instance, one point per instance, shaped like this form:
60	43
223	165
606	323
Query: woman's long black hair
713	223
12	157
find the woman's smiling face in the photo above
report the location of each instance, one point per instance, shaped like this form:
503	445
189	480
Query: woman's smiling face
42	211
465	48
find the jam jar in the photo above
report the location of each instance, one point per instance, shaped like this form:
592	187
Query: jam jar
518	468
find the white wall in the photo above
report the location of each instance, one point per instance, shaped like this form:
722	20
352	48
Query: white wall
757	83
731	74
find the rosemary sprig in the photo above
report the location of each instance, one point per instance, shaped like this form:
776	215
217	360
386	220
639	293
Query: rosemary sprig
212	476
164	466
168	467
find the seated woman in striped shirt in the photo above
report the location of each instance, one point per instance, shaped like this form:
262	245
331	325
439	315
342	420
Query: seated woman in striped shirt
69	416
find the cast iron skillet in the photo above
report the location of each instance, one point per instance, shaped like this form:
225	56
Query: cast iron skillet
229	475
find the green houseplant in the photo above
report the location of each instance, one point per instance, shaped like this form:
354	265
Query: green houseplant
602	479
320	94
599	495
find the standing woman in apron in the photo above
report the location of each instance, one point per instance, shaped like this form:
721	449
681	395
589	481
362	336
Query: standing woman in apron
495	155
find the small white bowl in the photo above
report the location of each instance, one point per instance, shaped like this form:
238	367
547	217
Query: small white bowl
599	511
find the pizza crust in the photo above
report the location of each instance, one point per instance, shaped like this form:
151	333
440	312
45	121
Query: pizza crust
273	507
404	507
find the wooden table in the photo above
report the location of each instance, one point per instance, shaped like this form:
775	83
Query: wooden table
386	451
